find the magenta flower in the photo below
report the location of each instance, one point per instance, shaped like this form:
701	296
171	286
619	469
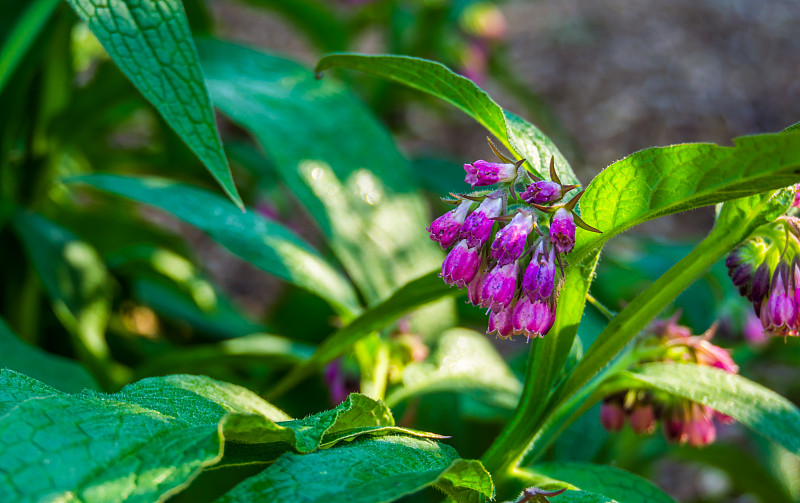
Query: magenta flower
542	192
509	242
532	318
778	314
478	226
699	429
500	286
612	416
796	202
714	356
474	288
447	227
562	231
500	323
460	265
540	276
488	173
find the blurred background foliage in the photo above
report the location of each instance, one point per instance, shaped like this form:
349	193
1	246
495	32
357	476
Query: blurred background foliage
134	290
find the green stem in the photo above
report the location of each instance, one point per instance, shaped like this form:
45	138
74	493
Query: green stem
608	313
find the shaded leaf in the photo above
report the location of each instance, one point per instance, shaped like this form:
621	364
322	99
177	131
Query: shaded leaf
369	470
623	486
19	39
151	43
264	243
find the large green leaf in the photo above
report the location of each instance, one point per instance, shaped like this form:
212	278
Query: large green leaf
464	362
152	438
16	44
623	486
151	43
372	470
416	293
57	371
436	79
664	180
335	158
77	282
751	404
264	243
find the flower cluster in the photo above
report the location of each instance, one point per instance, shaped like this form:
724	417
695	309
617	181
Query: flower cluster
766	269
683	421
500	252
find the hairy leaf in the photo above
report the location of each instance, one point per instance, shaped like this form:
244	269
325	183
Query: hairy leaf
753	405
436	79
416	293
369	470
664	180
465	362
151	43
264	243
623	486
57	371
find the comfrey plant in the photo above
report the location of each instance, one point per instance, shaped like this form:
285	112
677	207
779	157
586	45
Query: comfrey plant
506	249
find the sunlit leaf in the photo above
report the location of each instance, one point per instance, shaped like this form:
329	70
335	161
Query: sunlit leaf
151	43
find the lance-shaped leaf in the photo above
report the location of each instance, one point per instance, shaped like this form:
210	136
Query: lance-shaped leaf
57	371
623	486
366	471
15	45
266	244
436	79
751	404
664	180
151	43
152	438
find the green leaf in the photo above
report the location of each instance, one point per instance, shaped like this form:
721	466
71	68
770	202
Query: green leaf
22	35
152	438
582	497
438	80
751	404
623	486
77	282
735	221
416	293
665	180
59	372
367	471
151	43
353	181
264	243
464	362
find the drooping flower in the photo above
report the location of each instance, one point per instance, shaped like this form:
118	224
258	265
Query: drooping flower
562	231
482	173
446	228
509	242
778	314
500	323
478	226
500	286
612	416
643	419
539	279
460	265
532	318
542	192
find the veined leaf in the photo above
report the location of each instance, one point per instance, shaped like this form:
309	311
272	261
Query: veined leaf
465	362
436	79
264	243
751	404
57	371
416	293
664	180
151	43
367	471
352	180
77	282
623	486
152	438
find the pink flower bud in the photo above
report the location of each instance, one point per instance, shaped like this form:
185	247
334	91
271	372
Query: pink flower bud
541	192
488	173
509	242
460	265
562	231
500	285
500	323
447	227
700	428
612	417
540	276
643	419
478	226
